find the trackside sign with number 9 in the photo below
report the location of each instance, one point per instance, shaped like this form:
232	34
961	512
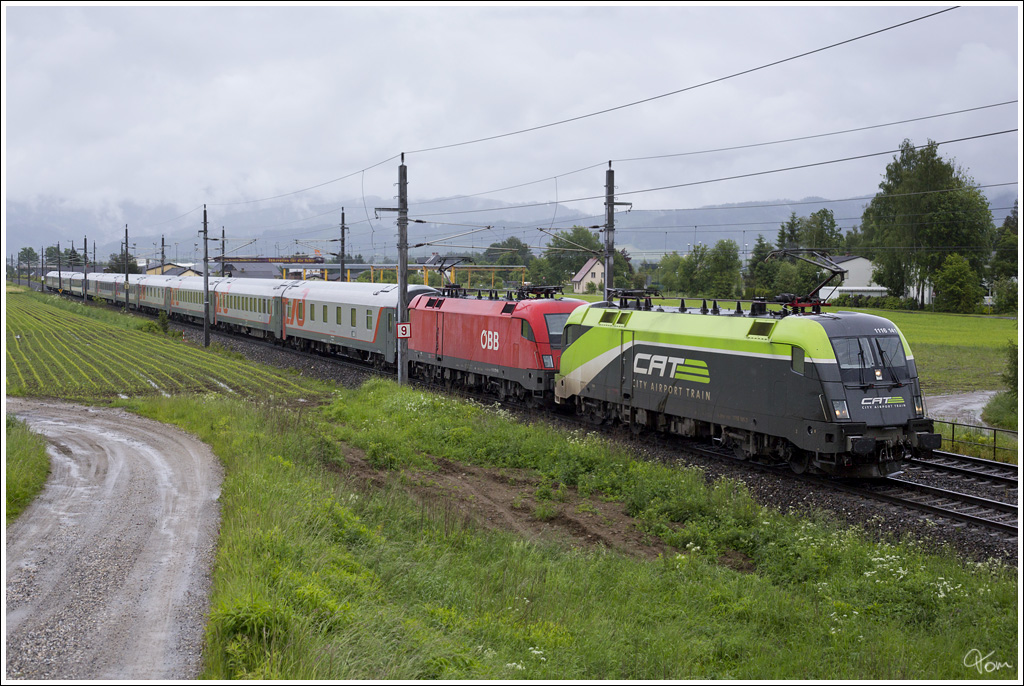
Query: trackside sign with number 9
405	330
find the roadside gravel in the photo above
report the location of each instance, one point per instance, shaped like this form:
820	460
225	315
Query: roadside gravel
108	571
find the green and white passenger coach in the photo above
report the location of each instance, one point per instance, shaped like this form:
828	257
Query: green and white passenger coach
831	392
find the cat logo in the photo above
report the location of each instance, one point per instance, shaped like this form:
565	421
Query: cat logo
890	401
680	368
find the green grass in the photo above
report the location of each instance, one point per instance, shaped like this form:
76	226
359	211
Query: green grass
319	578
979	442
71	351
26	466
1002	411
350	582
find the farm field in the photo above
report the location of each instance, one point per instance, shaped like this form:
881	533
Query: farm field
332	563
61	352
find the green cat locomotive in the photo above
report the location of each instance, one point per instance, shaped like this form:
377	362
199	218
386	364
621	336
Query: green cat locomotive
836	393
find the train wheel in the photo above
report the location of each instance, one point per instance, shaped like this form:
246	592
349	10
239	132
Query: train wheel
799	462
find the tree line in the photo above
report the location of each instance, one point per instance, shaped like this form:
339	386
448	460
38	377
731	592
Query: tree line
927	229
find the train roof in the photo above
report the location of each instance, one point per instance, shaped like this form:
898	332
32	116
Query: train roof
731	330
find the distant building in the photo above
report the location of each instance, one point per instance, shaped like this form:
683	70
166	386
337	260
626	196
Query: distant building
592	272
858	270
171	269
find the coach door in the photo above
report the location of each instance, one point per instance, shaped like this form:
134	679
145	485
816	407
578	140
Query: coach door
439	337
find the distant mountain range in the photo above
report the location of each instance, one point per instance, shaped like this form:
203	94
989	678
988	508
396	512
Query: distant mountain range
645	234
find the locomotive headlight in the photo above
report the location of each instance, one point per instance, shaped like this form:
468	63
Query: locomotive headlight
549	361
840	409
919	405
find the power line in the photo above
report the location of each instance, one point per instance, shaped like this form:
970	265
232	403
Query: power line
726	178
713	150
683	90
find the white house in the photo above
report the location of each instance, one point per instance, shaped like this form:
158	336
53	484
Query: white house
858	280
592	272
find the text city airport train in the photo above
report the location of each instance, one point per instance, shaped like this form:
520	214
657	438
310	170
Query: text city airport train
836	393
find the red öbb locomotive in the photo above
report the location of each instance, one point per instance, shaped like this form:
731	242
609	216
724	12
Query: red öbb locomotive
509	345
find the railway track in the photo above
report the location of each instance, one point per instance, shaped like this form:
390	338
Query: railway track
952	506
967	467
945	504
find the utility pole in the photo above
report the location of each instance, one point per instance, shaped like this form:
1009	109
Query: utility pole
341	252
223	250
85	268
609	229
403	263
206	285
125	267
60	281
162	257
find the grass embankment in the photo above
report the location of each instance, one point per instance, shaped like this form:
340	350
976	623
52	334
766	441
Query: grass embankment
26	466
1002	411
317	578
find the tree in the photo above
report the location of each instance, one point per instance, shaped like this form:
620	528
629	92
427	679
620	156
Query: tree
1004	262
28	256
819	231
512	250
668	272
622	269
116	263
759	279
925	205
566	254
789	233
693	271
723	277
957	286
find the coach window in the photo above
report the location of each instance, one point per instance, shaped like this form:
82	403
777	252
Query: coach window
352	316
369	319
337	315
312	312
798	360
324	313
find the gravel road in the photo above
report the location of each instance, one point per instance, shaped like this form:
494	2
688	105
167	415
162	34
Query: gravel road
108	571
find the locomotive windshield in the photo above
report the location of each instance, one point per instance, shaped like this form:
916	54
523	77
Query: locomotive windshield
555	323
871	359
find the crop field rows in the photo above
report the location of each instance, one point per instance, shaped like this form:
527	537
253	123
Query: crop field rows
58	353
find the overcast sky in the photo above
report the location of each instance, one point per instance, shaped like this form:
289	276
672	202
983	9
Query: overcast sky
182	105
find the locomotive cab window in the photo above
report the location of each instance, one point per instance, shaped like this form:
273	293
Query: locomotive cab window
527	331
555	322
871	359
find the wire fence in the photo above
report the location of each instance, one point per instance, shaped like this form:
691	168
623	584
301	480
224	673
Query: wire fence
979	441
